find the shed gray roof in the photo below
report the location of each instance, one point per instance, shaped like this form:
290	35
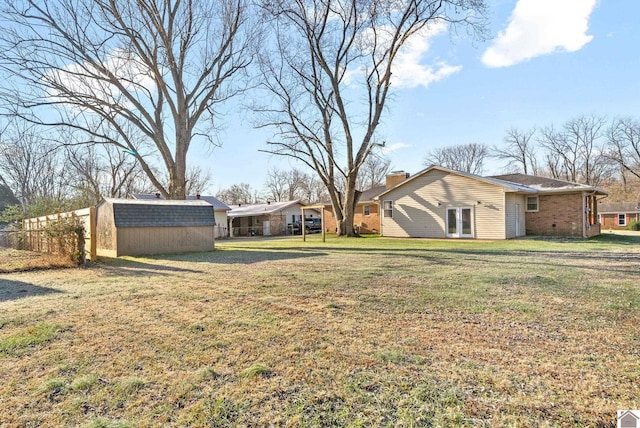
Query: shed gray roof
217	204
160	213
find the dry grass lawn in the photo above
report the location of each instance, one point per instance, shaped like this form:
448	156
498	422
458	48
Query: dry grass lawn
353	332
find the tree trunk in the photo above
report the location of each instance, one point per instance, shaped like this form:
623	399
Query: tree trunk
346	223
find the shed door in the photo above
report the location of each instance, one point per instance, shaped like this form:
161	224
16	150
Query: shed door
460	222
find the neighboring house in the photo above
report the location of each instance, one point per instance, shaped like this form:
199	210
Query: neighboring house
220	209
559	207
366	218
442	203
266	219
618	215
129	227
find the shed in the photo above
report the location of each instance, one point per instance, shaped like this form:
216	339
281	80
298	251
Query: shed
128	227
220	209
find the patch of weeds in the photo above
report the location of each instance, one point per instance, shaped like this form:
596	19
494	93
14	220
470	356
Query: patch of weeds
84	383
222	412
20	343
219	344
197	328
525	308
108	423
207	373
53	386
391	356
256	370
131	385
333	305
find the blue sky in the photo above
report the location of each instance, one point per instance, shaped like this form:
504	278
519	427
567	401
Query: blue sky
546	62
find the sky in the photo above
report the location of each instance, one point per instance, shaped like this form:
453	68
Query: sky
546	61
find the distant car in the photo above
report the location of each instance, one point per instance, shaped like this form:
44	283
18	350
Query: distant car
313	225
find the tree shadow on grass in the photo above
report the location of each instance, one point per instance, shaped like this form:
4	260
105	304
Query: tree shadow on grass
13	290
161	264
235	256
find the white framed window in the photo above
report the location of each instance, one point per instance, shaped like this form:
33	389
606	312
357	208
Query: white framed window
532	204
387	207
366	210
622	219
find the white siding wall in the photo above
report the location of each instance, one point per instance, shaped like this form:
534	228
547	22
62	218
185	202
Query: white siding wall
514	199
221	224
416	212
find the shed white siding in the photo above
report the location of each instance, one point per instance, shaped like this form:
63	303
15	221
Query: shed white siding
420	206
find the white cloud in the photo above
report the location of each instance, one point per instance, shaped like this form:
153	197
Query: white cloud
540	27
409	69
394	147
86	80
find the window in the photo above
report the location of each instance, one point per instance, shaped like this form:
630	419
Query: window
387	206
532	203
622	220
367	210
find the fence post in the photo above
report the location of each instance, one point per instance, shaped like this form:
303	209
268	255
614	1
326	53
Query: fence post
93	251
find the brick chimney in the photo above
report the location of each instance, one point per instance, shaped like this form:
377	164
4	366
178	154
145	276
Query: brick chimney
396	177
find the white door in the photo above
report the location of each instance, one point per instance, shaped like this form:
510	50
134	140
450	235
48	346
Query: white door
460	222
266	228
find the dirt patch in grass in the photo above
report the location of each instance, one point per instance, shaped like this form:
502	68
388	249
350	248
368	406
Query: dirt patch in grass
367	332
20	260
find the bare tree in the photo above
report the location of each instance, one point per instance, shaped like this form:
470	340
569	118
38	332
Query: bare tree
31	166
373	172
198	180
518	150
463	157
623	145
282	185
587	131
327	57
160	68
574	152
237	194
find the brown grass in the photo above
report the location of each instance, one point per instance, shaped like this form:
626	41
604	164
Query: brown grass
19	260
367	332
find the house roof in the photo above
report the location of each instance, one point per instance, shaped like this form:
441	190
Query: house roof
217	204
506	185
548	185
369	195
260	209
618	207
160	213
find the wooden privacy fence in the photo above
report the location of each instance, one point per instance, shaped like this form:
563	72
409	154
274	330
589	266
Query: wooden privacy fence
35	238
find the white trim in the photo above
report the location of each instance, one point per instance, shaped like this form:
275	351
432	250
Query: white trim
526	204
385	209
458	233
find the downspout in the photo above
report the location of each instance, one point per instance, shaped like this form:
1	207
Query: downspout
584	215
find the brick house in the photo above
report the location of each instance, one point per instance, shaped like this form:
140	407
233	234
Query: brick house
559	207
442	203
618	215
367	214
